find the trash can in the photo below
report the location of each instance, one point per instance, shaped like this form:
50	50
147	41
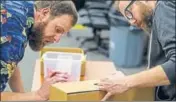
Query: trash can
126	42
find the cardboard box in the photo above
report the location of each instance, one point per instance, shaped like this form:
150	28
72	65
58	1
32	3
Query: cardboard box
82	78
95	70
88	91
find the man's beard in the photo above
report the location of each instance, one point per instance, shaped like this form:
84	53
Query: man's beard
147	20
36	36
148	23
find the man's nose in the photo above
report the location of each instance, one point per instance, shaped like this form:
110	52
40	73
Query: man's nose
57	38
132	22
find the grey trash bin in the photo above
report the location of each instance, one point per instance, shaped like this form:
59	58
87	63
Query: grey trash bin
126	42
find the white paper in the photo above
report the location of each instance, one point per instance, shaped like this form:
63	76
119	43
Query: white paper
64	65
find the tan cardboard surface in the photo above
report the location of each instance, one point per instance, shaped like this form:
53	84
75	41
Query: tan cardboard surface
98	69
74	91
75	87
86	91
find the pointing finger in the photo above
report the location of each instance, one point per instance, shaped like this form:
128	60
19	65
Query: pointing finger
106	96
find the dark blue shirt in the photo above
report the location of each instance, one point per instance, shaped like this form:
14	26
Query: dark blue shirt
163	46
16	20
164	38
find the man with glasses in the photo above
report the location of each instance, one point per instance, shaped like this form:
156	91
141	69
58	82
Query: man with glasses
158	19
37	23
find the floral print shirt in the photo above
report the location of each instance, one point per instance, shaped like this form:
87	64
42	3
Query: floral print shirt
16	21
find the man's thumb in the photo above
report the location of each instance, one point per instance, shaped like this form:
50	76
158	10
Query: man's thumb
106	96
49	72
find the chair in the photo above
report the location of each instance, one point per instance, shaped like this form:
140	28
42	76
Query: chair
98	20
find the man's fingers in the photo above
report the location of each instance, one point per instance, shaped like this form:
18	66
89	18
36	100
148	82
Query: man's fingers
105	79
102	88
63	75
106	96
120	73
61	79
105	83
50	72
56	79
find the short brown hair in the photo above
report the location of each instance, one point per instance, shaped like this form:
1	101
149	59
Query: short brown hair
59	7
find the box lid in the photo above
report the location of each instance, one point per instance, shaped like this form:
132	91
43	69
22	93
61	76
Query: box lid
77	87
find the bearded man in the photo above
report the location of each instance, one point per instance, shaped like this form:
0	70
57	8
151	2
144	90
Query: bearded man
158	19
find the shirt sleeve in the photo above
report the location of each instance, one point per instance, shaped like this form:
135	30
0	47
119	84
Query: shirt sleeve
13	31
167	37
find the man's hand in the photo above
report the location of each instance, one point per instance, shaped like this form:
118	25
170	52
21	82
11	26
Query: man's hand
40	95
52	78
113	84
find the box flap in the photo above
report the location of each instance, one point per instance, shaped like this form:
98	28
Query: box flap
96	70
77	87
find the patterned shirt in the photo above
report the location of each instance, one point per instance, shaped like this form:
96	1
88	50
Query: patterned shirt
16	21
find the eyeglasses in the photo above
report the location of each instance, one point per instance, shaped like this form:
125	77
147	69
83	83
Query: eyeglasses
128	13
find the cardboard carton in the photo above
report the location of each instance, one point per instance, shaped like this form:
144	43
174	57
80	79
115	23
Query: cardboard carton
82	78
88	91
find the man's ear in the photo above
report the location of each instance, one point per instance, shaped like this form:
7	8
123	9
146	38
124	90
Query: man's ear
44	13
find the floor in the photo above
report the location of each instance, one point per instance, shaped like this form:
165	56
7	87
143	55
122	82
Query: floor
28	62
